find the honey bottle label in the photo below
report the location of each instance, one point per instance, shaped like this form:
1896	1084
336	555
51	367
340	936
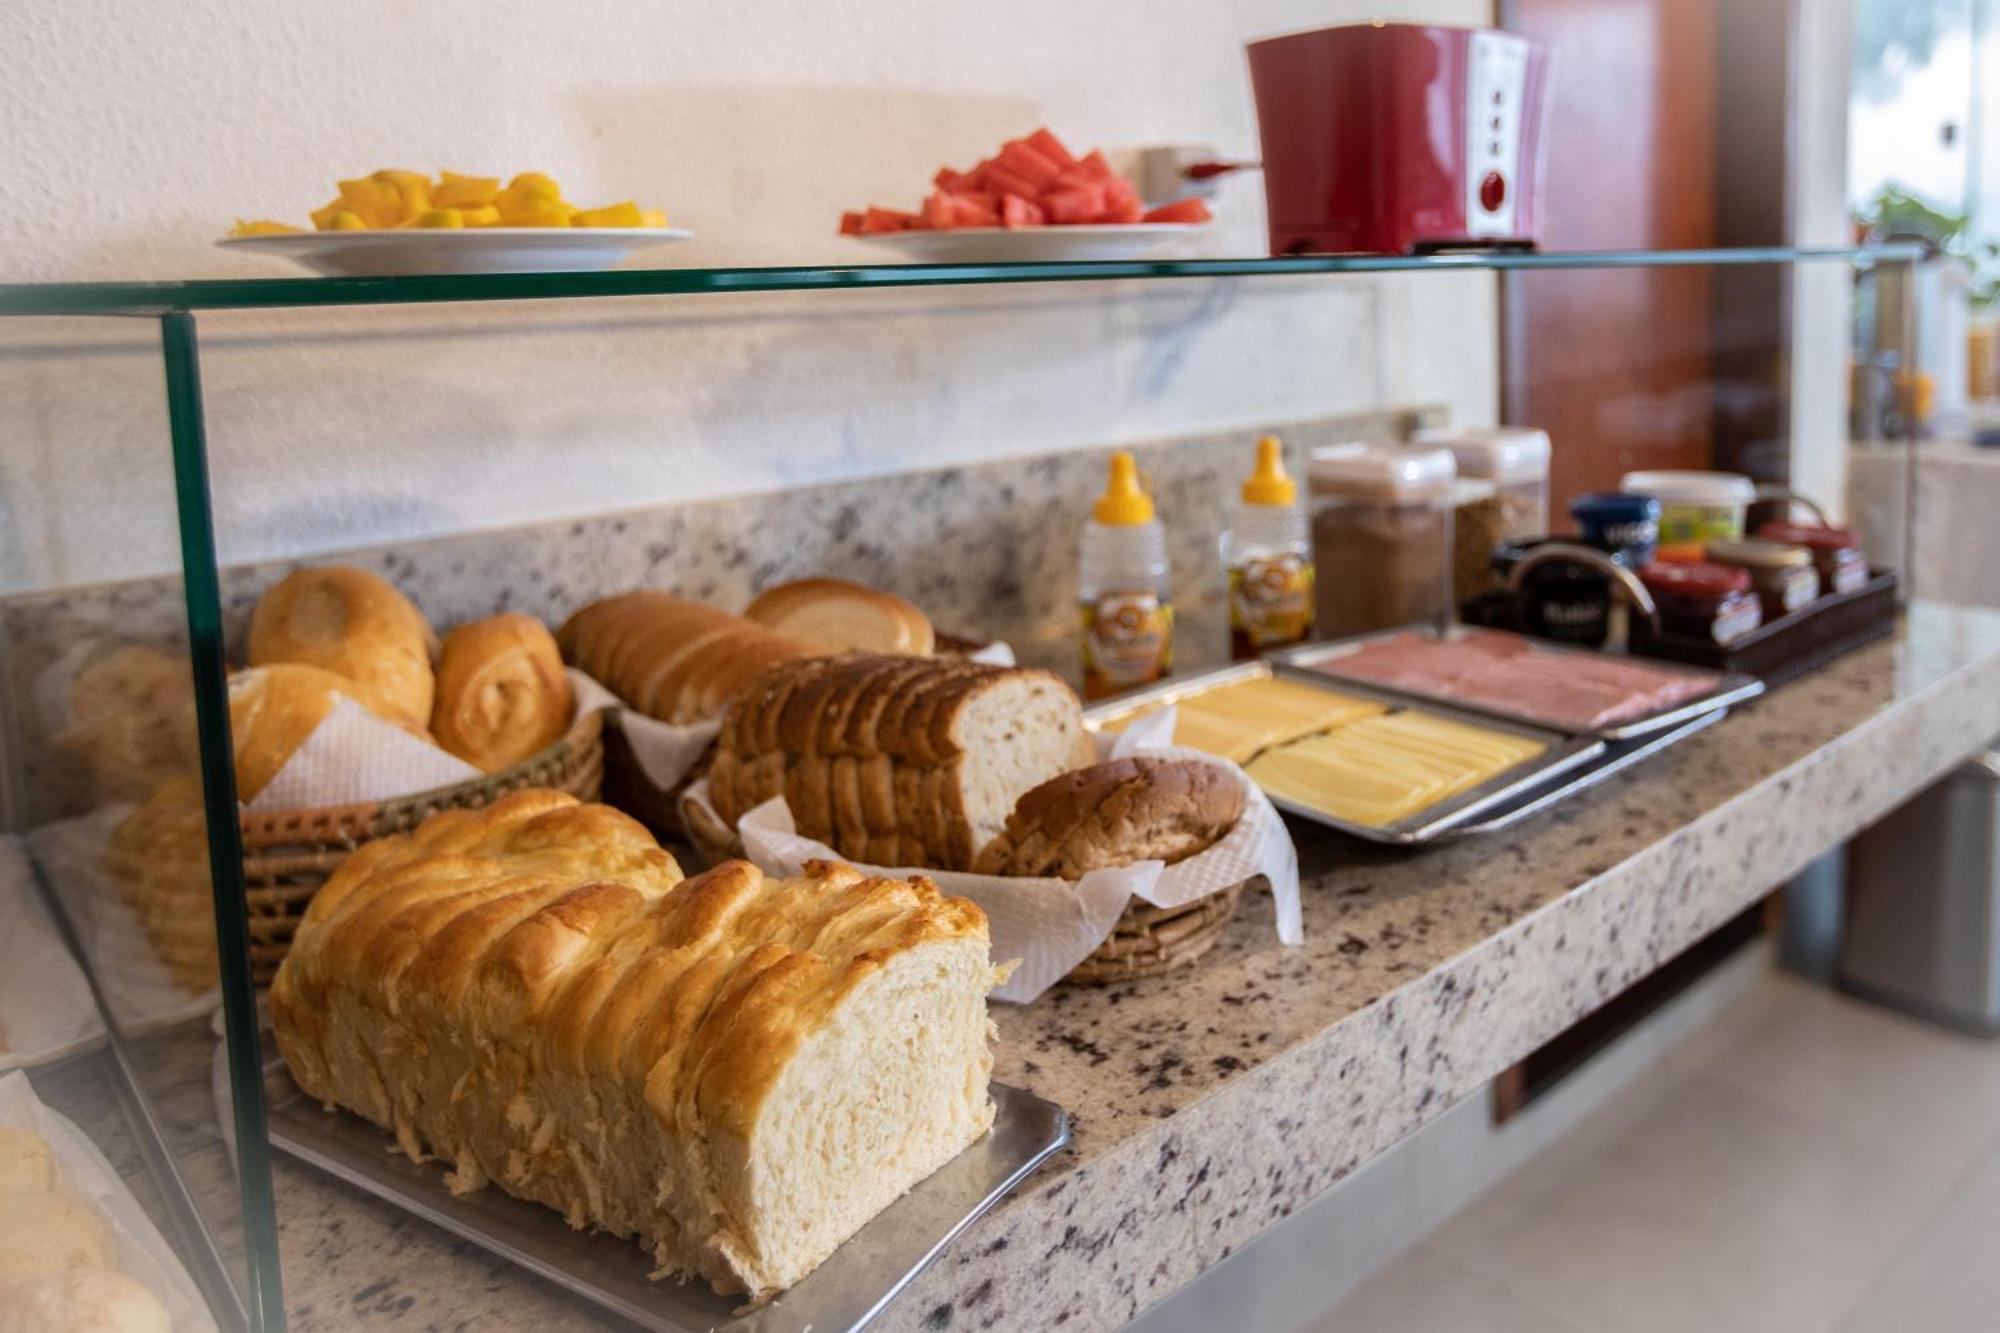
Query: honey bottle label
1270	603
1128	640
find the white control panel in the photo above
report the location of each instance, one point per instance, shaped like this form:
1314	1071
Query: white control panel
1496	79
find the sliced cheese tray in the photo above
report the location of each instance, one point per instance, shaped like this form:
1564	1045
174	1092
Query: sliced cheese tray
1512	677
842	1295
1360	741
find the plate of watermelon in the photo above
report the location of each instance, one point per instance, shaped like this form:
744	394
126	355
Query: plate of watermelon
1034	200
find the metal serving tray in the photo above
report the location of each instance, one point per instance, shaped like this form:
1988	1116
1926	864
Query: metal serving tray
1732	688
842	1295
1617	757
1566	750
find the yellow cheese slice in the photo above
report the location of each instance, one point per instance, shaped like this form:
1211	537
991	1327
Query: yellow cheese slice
1381	769
1236	721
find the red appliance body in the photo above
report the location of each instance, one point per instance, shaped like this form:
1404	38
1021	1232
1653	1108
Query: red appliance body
1398	138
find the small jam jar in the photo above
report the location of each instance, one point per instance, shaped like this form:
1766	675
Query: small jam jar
1702	601
1836	555
1783	575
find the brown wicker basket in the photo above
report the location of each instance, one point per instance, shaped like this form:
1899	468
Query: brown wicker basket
288	854
1145	942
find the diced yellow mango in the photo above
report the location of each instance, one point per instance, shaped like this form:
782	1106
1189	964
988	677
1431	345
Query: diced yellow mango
377	203
456	191
556	215
529	192
322	218
653	217
489	216
400	179
445	219
346	221
611	215
263	227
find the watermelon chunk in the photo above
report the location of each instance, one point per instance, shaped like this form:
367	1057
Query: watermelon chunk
1003	179
878	220
1079	203
850	224
1018	212
1121	214
1181	210
1051	147
947	179
1094	167
1021	160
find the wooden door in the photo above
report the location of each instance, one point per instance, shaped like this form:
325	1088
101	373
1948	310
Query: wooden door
1615	364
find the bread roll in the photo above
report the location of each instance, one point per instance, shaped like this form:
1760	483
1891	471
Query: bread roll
670	658
501	691
131	719
354	624
80	1300
837	616
1112	814
895	761
740	1071
42	1231
273	709
27	1163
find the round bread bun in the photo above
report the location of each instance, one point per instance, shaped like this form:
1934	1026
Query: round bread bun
42	1231
27	1164
81	1300
354	624
1139	808
501	691
132	719
838	616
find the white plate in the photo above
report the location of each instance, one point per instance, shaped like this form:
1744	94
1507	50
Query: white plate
373	254
1001	245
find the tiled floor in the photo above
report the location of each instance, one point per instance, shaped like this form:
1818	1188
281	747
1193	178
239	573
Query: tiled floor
1804	1162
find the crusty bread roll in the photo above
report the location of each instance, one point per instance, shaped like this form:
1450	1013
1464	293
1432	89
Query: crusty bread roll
837	616
740	1071
501	691
895	761
1114	813
80	1300
27	1163
131	719
273	709
668	657
46	1231
354	624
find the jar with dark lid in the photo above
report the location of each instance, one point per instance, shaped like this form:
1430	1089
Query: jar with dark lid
1697	600
1835	552
1783	575
1563	599
1627	525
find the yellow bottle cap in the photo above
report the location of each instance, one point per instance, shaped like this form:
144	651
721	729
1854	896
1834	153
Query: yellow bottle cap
1124	504
1269	485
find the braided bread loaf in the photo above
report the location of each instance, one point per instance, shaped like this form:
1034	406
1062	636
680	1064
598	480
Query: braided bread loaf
739	1071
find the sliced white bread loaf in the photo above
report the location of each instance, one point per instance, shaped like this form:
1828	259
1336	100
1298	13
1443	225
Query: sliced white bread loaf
838	616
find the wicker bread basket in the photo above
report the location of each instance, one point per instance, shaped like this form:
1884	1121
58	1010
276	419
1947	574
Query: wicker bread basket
288	854
1145	941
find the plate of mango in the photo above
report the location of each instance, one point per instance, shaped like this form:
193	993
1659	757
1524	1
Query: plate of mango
403	222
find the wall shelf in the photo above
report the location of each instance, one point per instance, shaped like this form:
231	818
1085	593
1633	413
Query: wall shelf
159	298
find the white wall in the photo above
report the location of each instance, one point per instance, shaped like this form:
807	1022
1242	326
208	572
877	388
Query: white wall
1821	323
134	134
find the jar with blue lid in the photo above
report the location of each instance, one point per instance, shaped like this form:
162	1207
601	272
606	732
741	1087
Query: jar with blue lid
1625	525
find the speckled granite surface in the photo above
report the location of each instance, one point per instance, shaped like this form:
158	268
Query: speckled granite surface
1211	1104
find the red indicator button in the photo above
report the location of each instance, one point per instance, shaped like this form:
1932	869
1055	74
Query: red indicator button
1492	192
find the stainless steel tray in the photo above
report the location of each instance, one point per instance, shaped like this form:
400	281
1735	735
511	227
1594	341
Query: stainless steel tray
1617	757
1566	750
1730	689
843	1294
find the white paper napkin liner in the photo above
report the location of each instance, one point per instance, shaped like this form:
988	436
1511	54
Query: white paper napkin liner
143	1254
667	753
354	756
46	1008
1051	925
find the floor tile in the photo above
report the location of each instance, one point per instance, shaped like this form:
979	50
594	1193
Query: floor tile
1893	1079
1718	1210
1945	1279
1428	1292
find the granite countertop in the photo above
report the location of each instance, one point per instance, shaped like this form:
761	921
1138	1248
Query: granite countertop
1212	1103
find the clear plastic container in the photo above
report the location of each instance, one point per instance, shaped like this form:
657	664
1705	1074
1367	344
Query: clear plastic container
1696	508
1514	458
1382	537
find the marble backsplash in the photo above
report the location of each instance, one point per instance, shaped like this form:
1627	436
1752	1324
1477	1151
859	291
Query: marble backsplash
989	551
